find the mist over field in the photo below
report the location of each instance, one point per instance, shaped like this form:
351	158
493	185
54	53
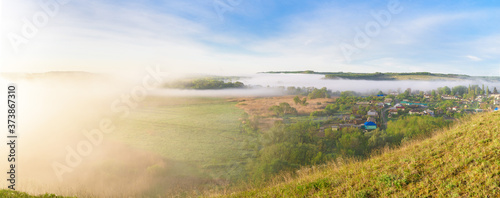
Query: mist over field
318	81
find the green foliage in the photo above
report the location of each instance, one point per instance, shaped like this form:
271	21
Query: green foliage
302	102
283	109
319	93
205	83
16	194
413	126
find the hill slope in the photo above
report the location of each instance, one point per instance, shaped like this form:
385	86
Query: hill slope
462	161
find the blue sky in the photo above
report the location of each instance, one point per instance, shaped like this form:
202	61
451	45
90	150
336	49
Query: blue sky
230	37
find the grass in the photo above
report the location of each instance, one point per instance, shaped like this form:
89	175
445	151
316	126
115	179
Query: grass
202	132
463	161
16	194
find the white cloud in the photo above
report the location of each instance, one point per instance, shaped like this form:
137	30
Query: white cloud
473	58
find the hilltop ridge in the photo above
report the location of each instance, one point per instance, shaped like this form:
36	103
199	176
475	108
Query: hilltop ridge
392	76
461	161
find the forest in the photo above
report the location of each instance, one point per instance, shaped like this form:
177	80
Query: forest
205	83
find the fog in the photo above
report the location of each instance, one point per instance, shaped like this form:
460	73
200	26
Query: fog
54	110
54	114
313	80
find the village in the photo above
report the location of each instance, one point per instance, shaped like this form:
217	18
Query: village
370	113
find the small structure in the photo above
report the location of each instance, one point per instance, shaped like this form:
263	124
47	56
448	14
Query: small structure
371	119
388	101
414	112
447	97
496	109
370	126
363	103
430	112
372	113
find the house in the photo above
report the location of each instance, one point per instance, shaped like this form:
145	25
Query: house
430	112
393	112
371	119
372	113
380	104
388	101
370	126
399	106
363	103
448	97
341	126
496	96
414	112
335	128
427	96
356	121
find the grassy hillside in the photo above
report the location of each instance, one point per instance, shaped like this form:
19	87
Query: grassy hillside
461	161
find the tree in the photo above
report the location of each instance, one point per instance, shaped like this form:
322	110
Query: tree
304	102
297	100
459	90
319	93
495	91
283	109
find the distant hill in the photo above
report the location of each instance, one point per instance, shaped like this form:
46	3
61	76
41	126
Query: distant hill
392	76
463	161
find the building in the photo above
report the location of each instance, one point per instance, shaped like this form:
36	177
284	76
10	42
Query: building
430	112
372	113
363	103
388	101
371	119
413	103
447	97
370	126
414	112
496	96
341	126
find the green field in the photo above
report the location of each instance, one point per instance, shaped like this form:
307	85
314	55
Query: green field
202	133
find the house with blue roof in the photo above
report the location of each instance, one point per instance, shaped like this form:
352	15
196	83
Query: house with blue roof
370	126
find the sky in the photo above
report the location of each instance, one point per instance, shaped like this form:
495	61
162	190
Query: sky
232	37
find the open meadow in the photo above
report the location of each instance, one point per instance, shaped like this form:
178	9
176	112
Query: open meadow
202	134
